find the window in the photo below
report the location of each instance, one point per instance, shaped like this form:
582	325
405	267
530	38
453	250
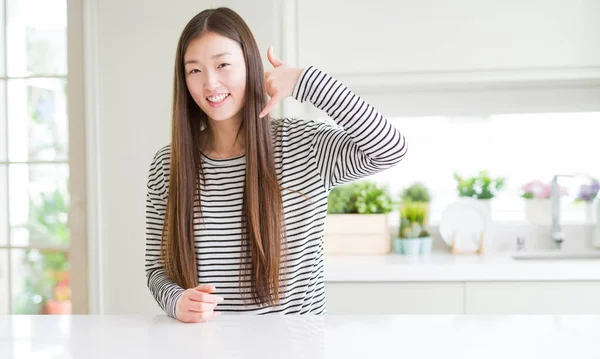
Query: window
520	147
34	158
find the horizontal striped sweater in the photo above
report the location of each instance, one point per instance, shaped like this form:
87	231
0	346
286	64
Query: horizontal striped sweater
311	158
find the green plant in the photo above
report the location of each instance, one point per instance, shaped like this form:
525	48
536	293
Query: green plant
339	200
363	197
47	274
48	219
417	192
481	186
412	220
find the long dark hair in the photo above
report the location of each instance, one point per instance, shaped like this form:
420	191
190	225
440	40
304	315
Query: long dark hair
262	213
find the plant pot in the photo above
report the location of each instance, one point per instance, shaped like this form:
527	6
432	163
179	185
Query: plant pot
487	204
355	234
589	212
538	211
54	307
426	245
596	236
397	245
411	246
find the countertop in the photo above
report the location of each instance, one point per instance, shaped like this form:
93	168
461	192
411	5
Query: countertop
289	337
463	267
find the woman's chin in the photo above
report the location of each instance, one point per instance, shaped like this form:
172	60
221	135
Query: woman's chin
220	118
220	115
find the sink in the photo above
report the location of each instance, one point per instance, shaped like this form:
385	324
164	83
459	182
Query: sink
555	255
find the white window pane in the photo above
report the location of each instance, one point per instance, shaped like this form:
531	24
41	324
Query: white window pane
4	290
2	43
520	147
36	37
37	120
39	205
40	282
3	123
3	205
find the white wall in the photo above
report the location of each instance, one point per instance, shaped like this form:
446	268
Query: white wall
401	54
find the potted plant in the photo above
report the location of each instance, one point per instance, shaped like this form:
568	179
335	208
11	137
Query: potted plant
47	286
586	196
357	219
413	238
538	208
60	300
419	193
482	186
416	192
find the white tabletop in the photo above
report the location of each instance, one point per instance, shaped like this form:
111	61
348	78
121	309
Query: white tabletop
288	337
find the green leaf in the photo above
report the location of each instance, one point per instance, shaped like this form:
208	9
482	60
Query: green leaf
481	186
360	197
417	192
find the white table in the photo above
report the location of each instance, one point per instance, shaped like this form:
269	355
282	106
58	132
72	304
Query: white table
287	337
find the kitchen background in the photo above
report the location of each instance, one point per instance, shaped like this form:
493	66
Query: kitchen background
507	91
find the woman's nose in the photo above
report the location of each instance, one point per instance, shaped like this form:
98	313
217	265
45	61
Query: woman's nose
212	82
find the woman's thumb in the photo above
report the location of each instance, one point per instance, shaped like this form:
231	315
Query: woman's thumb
274	60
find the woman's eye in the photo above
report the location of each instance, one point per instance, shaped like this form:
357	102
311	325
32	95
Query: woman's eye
223	65
194	71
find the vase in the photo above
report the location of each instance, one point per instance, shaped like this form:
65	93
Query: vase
487	204
411	246
589	212
397	245
55	307
426	245
538	211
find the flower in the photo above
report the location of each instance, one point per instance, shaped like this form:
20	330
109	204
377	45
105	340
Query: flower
62	291
540	190
588	192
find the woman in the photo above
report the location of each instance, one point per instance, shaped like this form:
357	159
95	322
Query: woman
236	203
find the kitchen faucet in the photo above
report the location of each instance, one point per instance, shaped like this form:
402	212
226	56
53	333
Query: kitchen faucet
556	232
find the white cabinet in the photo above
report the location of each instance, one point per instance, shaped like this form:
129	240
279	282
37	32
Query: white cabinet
452	58
394	297
552	297
415	36
493	297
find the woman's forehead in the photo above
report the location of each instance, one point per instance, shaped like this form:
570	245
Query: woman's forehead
211	47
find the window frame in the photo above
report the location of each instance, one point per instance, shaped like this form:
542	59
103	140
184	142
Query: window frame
76	159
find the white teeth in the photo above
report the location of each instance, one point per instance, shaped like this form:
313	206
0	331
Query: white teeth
218	98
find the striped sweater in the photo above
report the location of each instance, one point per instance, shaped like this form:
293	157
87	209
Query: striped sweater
311	158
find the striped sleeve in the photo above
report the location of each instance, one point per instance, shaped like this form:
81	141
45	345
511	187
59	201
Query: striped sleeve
365	143
165	292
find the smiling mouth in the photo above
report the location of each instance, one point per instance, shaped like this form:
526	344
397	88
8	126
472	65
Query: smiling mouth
217	99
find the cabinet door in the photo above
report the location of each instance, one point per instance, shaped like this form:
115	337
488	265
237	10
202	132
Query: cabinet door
411	36
554	297
394	298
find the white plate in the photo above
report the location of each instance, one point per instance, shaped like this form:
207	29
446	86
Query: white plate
467	217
